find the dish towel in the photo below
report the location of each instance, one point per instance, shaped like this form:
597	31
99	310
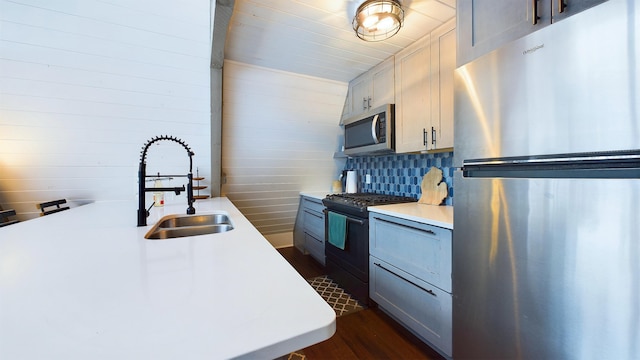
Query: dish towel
337	229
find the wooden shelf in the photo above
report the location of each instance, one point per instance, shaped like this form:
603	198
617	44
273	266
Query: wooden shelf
199	187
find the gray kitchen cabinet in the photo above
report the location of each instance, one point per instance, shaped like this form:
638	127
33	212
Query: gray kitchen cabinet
486	25
413	106
410	276
313	227
372	89
424	92
443	61
561	9
298	227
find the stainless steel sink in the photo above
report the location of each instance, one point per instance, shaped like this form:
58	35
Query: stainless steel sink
175	226
177	221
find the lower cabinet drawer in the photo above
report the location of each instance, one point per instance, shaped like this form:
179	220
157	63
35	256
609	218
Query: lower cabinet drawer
418	249
313	204
315	247
421	307
314	223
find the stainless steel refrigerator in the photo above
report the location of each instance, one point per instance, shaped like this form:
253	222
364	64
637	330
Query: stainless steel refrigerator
546	239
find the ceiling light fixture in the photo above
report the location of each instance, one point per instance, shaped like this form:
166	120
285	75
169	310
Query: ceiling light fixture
377	20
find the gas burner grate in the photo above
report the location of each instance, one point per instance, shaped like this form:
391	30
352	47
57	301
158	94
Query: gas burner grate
368	199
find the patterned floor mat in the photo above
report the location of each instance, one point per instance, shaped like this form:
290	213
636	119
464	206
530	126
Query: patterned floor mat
333	294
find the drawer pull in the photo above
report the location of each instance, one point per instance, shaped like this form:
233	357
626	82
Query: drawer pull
313	213
430	292
314	238
428	231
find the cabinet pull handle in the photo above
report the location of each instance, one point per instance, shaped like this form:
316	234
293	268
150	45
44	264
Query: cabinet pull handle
364	103
428	231
534	8
313	237
424	136
369	102
313	214
433	135
561	6
430	292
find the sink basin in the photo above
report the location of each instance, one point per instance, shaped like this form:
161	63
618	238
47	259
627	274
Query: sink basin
170	233
177	221
175	226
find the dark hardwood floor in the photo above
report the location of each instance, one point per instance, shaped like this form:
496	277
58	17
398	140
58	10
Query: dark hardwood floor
304	264
366	334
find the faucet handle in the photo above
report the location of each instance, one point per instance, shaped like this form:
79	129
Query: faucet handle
148	211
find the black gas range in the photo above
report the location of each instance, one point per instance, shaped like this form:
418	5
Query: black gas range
349	267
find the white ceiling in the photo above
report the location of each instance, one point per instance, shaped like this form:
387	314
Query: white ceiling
315	37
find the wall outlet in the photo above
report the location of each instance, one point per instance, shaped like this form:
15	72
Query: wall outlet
367	179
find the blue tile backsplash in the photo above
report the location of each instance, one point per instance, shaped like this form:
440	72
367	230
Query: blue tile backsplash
401	174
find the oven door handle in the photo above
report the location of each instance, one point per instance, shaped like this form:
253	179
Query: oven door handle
357	221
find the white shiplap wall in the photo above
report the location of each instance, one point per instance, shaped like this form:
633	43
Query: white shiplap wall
84	84
280	131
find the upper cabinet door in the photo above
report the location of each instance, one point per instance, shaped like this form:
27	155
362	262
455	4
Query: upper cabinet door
413	96
383	87
424	92
443	64
485	25
360	89
372	89
561	9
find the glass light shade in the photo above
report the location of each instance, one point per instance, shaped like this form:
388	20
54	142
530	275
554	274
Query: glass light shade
377	20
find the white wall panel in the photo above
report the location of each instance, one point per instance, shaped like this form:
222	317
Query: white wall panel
157	17
46	72
280	131
84	84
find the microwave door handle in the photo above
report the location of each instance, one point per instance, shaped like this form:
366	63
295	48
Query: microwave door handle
374	127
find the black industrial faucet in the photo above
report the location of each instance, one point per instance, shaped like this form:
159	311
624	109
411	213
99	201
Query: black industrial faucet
143	212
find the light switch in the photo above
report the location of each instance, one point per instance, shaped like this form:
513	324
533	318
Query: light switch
367	179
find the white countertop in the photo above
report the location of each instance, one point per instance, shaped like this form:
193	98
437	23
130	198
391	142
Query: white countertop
85	284
318	195
441	216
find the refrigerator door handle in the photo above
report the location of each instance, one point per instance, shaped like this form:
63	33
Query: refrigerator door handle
596	165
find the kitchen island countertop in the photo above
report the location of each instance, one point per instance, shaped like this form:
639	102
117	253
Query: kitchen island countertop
441	216
85	284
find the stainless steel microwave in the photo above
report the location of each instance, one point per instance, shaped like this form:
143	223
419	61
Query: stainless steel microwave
371	132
